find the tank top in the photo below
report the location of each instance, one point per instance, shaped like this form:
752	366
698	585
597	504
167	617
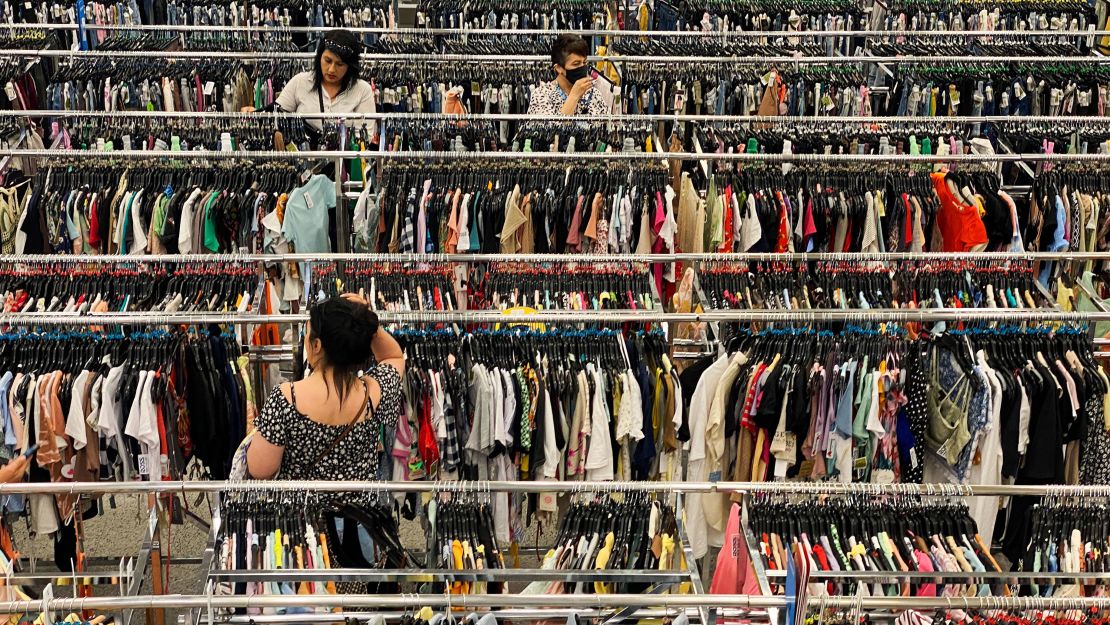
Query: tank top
960	225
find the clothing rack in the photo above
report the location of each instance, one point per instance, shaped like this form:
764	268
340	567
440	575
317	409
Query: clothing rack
510	614
580	156
874	315
663	34
214	602
683	257
438	575
456	58
615	119
484	487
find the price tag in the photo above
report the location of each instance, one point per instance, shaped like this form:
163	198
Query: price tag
882	476
209	88
549	502
308	200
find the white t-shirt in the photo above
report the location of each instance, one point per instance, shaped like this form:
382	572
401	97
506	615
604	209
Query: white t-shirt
299	96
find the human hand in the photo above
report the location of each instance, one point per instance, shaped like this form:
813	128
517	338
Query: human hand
356	299
581	87
247	109
14	470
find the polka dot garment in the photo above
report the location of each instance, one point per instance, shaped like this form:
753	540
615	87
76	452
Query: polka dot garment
917	411
353	458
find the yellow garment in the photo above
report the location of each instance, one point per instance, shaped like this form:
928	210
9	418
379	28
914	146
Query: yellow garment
667	553
521	310
1065	297
330	586
458	588
602	562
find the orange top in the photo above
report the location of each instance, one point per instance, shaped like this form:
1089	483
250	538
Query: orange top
959	223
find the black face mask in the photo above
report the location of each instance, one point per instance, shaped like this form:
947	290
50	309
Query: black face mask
576	74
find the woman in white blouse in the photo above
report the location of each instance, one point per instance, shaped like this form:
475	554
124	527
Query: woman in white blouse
333	85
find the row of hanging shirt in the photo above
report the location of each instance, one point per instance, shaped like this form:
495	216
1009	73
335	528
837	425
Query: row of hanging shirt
522	405
975	407
96	84
125	288
506	15
520	209
758	211
246	133
725	285
606	534
501	286
353	13
330	533
1066	537
925	284
144	210
844	534
143	407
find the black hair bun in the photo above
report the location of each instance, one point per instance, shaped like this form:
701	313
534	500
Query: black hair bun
346	331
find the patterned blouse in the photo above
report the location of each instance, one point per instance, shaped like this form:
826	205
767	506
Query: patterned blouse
548	99
353	458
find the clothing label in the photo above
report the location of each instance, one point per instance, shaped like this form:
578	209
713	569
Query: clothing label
308	199
791	445
549	502
715	476
882	476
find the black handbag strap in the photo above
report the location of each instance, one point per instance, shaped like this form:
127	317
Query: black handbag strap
349	427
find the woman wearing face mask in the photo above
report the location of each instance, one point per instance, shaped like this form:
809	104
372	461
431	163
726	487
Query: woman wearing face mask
572	92
333	85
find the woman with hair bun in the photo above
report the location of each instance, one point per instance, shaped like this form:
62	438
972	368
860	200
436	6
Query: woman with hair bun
327	426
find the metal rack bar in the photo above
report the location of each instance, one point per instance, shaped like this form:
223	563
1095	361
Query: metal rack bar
763	119
221	602
707	616
552	601
509	614
570	156
662	34
439	575
1004	576
431	259
97	579
925	315
539	58
830	488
